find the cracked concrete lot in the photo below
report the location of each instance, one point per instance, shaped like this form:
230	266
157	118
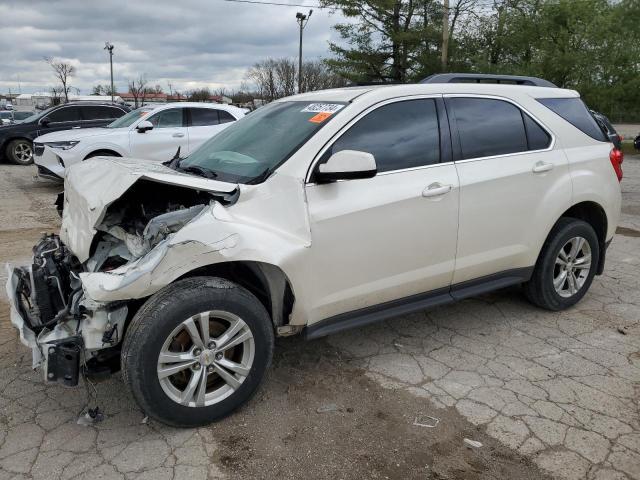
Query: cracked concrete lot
550	395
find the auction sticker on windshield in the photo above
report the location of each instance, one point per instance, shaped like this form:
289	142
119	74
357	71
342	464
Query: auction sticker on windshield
323	108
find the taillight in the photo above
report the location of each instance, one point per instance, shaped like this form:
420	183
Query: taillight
617	157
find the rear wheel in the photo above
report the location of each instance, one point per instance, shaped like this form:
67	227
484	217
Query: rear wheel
20	151
197	350
566	266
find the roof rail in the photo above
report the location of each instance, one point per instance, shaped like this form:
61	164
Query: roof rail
487	78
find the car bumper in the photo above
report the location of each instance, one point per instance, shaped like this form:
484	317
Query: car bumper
49	164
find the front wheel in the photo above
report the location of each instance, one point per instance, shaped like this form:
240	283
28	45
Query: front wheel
566	266
20	151
196	351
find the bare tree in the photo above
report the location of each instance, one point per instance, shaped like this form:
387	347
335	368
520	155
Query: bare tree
63	71
276	78
199	95
138	89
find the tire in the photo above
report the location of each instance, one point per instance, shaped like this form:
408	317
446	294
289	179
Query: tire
20	151
160	326
551	286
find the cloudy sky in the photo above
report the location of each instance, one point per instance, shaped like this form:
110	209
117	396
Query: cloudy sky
190	43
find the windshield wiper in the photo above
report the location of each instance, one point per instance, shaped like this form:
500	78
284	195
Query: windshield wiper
200	171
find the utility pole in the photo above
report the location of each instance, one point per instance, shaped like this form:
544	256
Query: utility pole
109	47
302	20
445	35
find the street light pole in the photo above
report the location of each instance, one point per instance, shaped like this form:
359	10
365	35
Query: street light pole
302	20
108	46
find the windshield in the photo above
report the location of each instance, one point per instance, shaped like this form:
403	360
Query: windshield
257	144
130	118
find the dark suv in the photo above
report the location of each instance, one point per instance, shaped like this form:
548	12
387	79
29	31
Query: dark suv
16	141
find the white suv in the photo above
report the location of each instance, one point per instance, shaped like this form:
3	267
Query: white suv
150	132
314	214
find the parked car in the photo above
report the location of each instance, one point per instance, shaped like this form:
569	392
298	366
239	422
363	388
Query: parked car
8	106
16	140
20	116
636	143
153	133
314	214
6	117
608	129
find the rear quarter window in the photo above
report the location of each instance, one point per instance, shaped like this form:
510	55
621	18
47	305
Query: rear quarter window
574	111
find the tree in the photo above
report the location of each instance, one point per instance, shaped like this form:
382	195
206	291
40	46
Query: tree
199	95
63	71
138	89
276	77
385	40
101	90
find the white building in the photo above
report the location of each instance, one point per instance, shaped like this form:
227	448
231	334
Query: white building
42	100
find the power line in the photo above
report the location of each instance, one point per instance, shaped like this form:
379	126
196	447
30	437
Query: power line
279	4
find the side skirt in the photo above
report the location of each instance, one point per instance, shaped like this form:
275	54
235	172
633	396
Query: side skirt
415	303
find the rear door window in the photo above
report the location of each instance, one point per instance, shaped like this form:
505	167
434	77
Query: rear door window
204	116
399	135
98	112
488	127
574	111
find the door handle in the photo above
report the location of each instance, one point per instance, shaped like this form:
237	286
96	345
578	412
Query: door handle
75	128
436	189
178	135
541	167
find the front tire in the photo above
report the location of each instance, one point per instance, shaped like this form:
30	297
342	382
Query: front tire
566	266
20	151
196	351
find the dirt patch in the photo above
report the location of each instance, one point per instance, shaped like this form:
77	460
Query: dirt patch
316	417
627	232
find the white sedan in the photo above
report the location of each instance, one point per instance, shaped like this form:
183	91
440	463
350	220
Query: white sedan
149	132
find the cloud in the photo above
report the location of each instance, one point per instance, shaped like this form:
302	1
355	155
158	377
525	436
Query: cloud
190	43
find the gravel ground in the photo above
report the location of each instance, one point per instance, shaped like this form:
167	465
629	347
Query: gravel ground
549	395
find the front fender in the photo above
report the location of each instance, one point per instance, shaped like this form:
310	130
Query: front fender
204	241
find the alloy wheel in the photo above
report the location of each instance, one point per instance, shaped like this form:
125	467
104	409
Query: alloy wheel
206	358
572	267
22	152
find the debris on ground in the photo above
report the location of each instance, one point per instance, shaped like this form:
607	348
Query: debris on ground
145	420
472	443
91	417
622	330
426	421
330	407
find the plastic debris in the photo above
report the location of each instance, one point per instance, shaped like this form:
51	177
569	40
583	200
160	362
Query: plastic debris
426	421
145	420
622	330
91	417
472	443
330	407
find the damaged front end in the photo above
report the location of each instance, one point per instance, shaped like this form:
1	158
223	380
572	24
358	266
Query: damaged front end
63	328
70	332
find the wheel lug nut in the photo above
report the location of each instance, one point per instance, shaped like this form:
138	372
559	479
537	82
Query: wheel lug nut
196	366
218	356
197	351
212	345
210	369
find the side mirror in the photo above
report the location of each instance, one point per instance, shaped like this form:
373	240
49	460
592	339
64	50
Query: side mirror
144	126
346	165
44	122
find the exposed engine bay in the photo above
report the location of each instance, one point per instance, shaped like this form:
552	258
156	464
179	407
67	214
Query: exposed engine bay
76	335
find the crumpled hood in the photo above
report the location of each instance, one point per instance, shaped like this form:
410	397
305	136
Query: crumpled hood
91	186
77	134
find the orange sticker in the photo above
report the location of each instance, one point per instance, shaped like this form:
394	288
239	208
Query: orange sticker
320	117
